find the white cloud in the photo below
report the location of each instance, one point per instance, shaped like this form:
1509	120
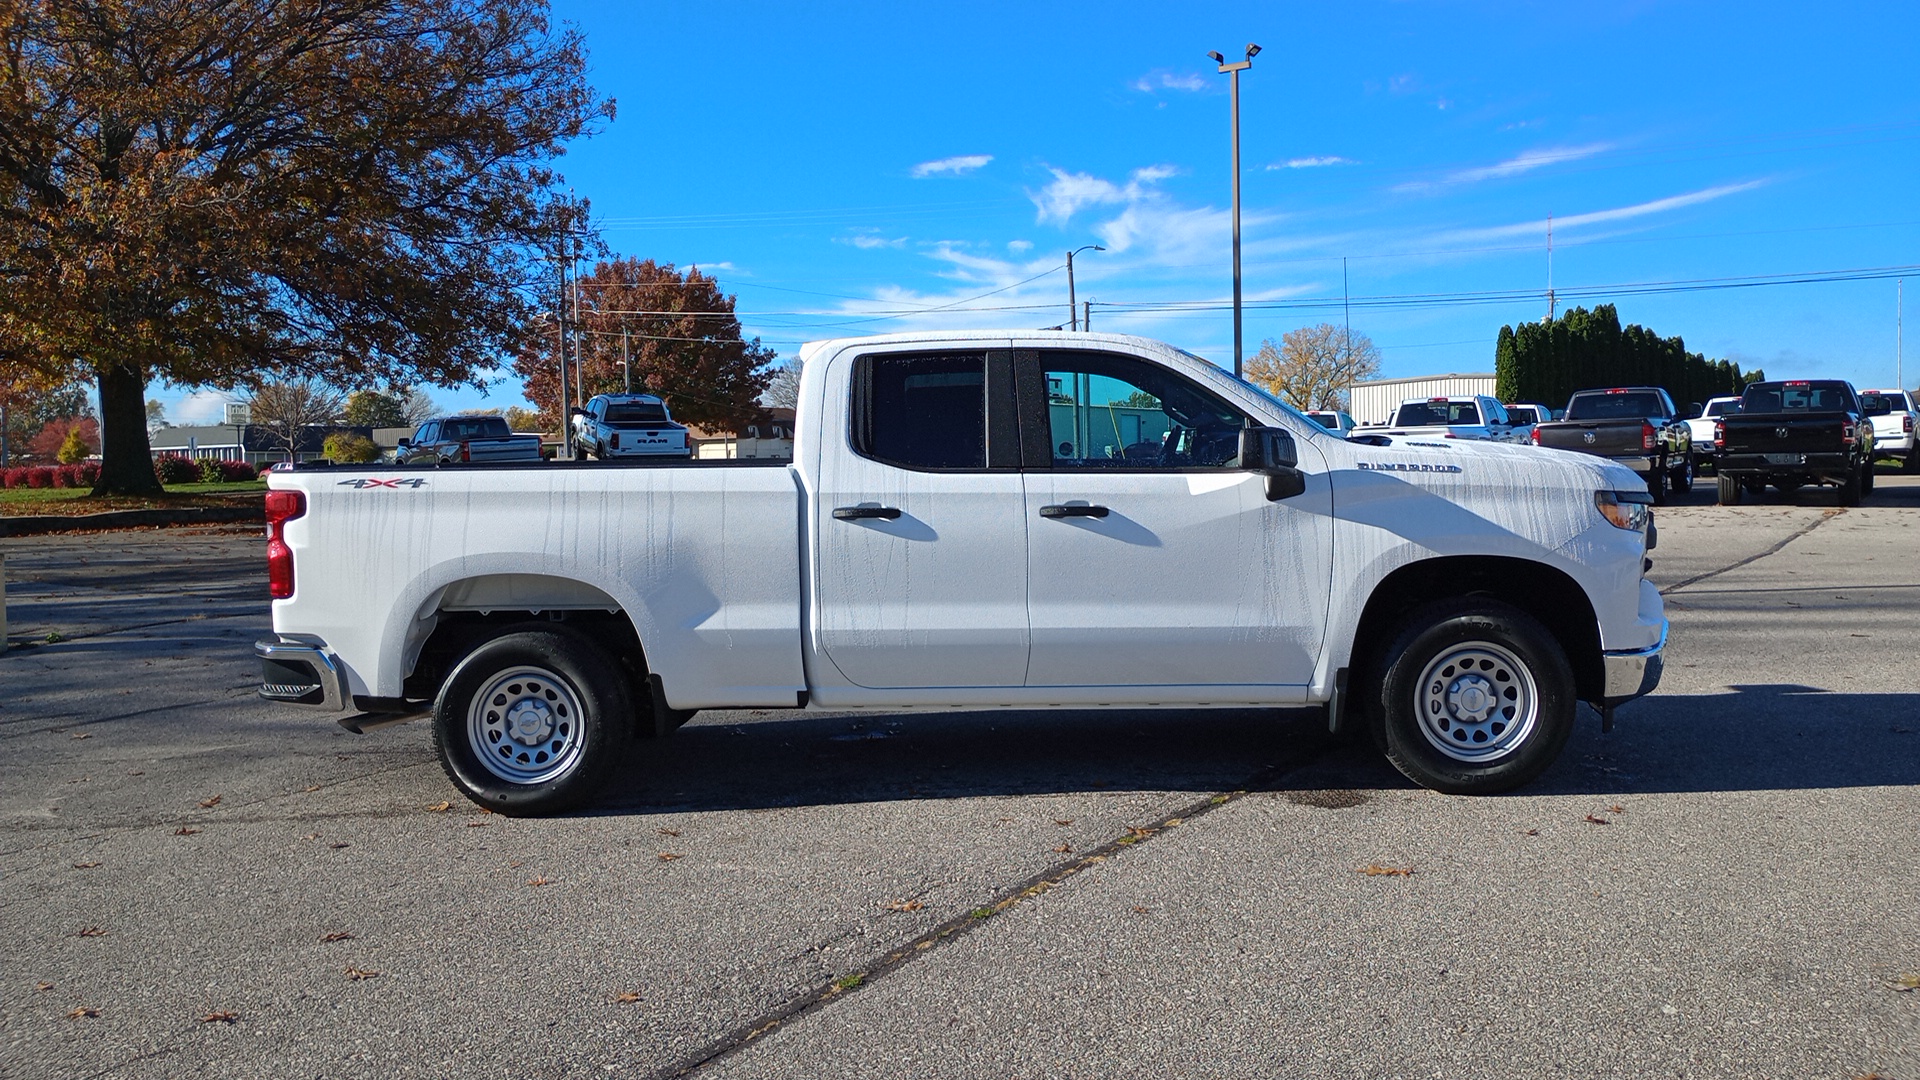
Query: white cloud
1622	213
1072	192
868	242
1311	163
202	407
953	166
1019	247
1155	81
1514	166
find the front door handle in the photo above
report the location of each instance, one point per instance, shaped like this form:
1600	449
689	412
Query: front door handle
857	513
1073	510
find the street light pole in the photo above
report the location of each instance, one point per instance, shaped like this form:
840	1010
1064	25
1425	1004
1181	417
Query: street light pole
1233	72
1073	310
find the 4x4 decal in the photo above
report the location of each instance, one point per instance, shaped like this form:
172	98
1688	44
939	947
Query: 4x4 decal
415	482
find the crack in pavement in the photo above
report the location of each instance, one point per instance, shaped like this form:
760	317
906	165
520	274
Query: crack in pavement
1749	560
953	929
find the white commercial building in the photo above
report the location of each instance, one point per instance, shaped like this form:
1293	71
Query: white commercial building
1374	402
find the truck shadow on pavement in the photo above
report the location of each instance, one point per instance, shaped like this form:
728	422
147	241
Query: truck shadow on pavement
1762	737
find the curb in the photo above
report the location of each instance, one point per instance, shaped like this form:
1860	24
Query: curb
37	524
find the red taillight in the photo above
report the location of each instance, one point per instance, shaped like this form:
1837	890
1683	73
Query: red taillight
1649	438
282	507
1906	423
613	441
464	454
1535	436
1847	433
1719	434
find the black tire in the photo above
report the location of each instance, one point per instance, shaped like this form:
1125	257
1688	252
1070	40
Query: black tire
1911	463
1478	698
1729	490
1866	478
1850	489
1681	479
1657	486
560	718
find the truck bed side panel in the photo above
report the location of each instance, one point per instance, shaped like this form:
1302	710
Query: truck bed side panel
705	561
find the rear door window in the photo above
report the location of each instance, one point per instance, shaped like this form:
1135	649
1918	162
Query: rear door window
921	411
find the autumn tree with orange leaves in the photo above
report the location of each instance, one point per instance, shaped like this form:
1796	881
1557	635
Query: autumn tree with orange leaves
677	333
232	192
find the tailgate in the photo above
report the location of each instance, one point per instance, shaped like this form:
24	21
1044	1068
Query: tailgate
1818	434
1608	438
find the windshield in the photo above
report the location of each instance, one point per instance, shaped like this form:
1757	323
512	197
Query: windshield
636	412
1611	406
1437	414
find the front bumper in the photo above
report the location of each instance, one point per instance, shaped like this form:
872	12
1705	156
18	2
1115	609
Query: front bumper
1633	673
301	671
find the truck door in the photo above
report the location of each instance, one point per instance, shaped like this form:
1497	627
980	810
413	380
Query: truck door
919	541
1154	560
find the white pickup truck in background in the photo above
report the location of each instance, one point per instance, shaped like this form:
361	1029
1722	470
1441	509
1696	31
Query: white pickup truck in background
1476	417
626	426
975	519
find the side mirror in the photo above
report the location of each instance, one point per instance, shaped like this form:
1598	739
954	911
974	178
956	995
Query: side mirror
575	410
1699	410
403	443
1270	451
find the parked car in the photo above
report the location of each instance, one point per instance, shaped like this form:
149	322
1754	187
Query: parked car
1633	425
1793	433
1525	416
1700	428
1467	417
1892	414
628	426
477	438
951	535
1333	420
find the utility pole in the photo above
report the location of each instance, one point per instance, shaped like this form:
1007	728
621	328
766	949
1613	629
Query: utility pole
560	325
1550	304
1346	332
1073	310
1233	72
1086	316
626	365
1899	305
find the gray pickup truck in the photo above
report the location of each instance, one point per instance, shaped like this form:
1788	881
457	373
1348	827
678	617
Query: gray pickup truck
1636	426
479	438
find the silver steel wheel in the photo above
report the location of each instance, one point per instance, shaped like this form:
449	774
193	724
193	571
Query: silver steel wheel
524	725
1477	702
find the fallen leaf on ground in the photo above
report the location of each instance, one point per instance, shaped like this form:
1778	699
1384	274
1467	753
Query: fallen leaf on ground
1063	849
668	832
1906	983
44	987
184	831
669	856
1063	823
439	808
83	735
1591	820
339	845
1616	809
89	931
1530	832
219	1018
516	864
208	804
83	1011
1138	910
337	935
536	882
478	824
905	905
1376	870
85	865
626	997
356	974
311	787
136	772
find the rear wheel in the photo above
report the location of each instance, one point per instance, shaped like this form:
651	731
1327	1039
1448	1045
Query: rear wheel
1866	478
1729	490
1657	486
1478	698
531	721
1911	463
1850	489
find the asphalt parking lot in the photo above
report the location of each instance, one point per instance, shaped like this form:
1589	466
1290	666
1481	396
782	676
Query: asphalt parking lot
199	884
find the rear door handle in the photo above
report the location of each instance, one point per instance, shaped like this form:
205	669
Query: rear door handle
856	513
1073	510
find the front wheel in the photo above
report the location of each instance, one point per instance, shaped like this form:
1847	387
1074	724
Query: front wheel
1478	698
1657	485
1866	478
1682	477
532	721
1911	463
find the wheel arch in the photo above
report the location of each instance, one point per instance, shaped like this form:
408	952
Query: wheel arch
1544	592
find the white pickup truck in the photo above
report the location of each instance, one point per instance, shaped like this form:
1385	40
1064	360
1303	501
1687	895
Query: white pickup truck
1474	416
975	520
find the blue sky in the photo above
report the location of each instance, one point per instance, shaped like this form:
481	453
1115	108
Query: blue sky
863	168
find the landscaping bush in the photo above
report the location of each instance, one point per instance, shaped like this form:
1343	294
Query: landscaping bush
237	472
40	476
83	474
15	477
346	448
176	469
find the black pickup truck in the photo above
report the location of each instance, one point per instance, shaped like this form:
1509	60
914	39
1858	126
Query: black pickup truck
1636	426
1789	434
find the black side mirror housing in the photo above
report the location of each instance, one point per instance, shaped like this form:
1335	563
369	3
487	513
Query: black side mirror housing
404	443
1270	451
1699	410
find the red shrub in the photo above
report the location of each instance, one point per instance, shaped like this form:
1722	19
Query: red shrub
40	476
176	469
15	477
235	472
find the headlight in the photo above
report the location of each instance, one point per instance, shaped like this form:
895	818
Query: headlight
1631	510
